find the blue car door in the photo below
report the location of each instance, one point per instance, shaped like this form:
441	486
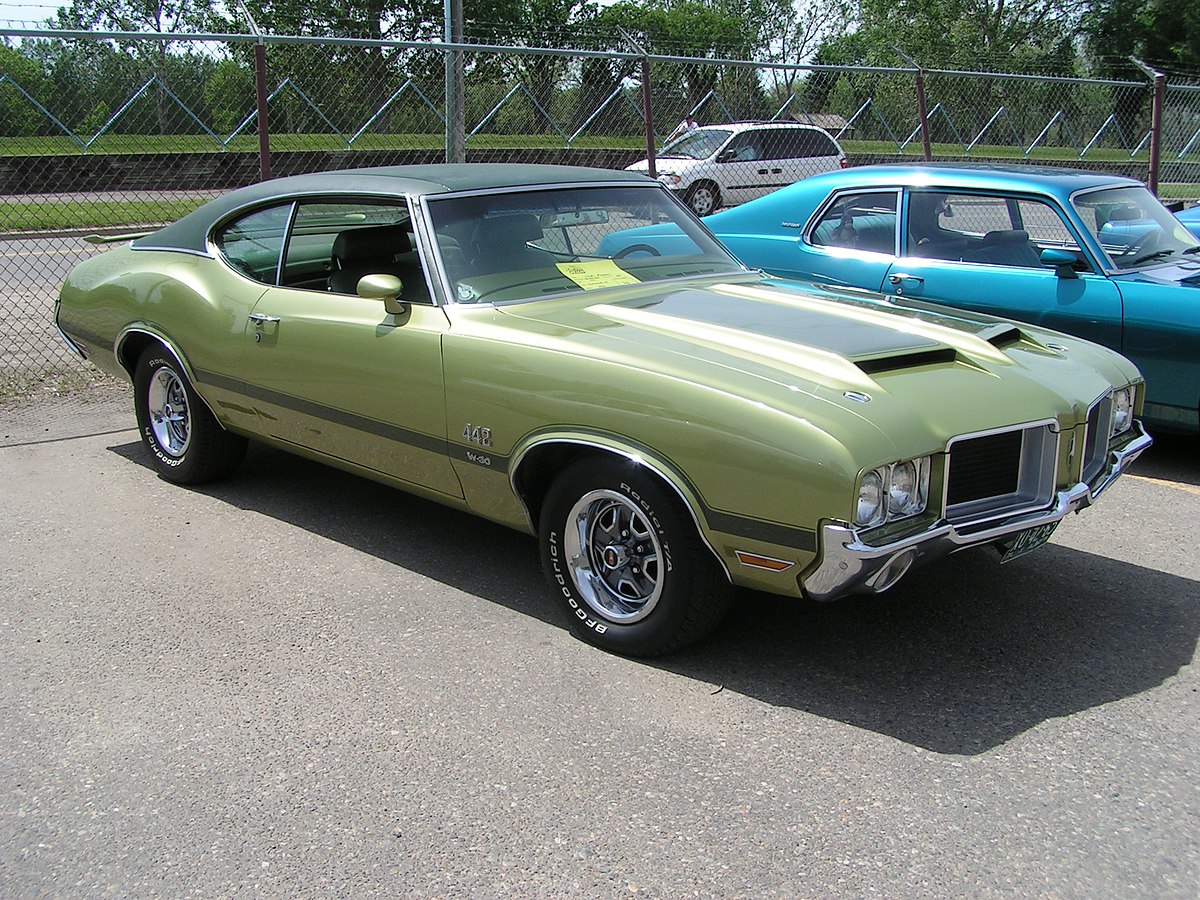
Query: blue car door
982	252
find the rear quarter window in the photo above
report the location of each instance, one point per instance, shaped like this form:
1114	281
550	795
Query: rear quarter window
253	243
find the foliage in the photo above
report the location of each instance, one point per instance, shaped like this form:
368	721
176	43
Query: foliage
1165	33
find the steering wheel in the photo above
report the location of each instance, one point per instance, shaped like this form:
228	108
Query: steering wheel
636	248
1147	241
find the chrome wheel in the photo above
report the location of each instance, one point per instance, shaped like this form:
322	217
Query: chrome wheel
703	199
170	415
613	555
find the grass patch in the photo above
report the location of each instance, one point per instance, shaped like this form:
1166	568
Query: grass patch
63	381
74	215
141	144
137	144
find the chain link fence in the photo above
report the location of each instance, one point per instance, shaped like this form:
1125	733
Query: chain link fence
115	133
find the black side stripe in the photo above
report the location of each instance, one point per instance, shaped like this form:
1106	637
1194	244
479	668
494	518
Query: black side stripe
330	414
739	526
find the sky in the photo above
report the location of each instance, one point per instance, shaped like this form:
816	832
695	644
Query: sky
26	15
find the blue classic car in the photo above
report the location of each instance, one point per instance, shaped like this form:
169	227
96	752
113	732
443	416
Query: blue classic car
1191	219
1084	253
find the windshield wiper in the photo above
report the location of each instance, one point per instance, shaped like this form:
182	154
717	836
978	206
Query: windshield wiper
1157	254
1191	250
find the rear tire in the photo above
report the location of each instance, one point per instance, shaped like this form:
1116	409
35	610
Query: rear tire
626	562
187	444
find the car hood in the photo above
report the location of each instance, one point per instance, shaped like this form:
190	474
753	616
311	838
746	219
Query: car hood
831	354
1185	273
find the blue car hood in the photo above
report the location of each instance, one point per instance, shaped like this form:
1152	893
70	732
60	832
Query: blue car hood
1177	273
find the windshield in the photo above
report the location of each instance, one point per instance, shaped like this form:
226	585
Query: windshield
700	144
537	243
1134	228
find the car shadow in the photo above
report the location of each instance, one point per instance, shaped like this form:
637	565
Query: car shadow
959	658
1172	457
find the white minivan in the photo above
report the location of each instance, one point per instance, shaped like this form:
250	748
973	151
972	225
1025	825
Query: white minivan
724	165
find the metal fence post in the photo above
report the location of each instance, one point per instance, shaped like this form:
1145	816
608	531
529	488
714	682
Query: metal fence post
456	151
922	107
1156	109
647	109
264	128
260	96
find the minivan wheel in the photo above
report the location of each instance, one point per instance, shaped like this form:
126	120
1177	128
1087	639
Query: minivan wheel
703	198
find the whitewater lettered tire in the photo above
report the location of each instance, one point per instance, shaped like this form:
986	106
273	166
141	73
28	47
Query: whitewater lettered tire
626	562
187	444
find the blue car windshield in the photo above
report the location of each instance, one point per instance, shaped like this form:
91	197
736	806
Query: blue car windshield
528	244
1134	229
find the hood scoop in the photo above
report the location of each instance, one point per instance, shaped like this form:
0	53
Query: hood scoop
895	362
1002	334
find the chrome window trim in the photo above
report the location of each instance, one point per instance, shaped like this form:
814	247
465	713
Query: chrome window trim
736	269
813	220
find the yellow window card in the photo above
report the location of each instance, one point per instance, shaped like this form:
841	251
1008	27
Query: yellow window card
597	273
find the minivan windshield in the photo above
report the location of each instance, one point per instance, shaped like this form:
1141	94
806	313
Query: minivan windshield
1133	228
534	243
700	144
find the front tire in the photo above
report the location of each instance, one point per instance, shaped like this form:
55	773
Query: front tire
187	444
626	562
703	198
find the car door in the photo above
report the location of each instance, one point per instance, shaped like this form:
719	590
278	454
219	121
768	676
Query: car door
981	252
337	374
743	172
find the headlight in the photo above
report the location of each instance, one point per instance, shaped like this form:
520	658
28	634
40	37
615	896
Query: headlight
902	487
893	492
870	500
670	179
1122	411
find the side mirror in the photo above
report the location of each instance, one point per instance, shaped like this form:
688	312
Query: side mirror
386	288
1063	262
726	156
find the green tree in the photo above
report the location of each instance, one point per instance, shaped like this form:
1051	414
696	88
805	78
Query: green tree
160	17
683	28
19	117
1164	33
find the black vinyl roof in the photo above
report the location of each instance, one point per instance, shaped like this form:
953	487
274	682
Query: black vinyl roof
191	232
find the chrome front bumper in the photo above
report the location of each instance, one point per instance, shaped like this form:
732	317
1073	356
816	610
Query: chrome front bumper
848	566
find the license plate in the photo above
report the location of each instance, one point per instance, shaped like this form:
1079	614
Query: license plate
1026	541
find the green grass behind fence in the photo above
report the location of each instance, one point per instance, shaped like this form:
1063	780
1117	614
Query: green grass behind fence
133	144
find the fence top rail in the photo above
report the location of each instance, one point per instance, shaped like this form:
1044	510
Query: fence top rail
1058	79
442	46
430	45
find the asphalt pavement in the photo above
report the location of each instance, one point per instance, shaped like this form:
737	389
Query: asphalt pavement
297	683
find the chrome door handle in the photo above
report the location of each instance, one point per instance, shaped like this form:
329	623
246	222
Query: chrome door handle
260	319
901	277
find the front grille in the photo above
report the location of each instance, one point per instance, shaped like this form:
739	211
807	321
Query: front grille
1095	442
984	467
1000	473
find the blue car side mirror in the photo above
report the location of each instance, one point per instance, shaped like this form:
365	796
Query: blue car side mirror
1063	262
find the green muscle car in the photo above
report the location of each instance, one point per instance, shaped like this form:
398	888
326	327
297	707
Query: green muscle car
571	353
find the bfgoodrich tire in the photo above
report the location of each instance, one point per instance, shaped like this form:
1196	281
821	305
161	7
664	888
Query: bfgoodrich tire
626	562
187	444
